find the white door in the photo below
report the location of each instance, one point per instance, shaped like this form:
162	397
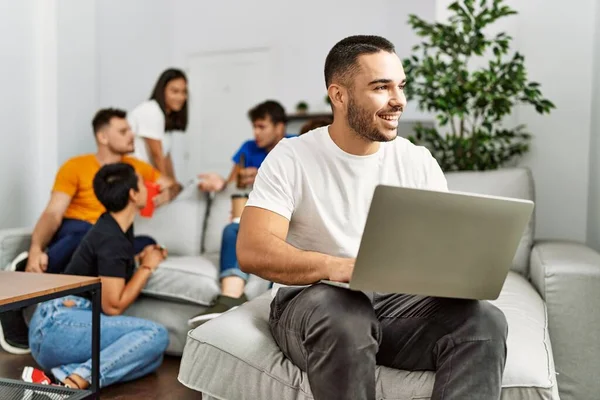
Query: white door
223	87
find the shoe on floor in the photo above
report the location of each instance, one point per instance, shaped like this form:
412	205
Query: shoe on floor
34	375
19	263
222	304
14	333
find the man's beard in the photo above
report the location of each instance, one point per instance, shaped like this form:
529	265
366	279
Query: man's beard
360	121
121	151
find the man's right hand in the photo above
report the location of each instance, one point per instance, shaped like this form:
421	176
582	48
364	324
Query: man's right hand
211	182
37	261
340	269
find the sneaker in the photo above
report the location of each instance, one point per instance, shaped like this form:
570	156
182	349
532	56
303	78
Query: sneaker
222	304
34	375
19	263
14	333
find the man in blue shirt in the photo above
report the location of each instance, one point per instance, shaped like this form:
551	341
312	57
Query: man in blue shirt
269	125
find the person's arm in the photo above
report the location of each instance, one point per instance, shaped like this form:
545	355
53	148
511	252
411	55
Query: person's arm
45	229
261	246
213	182
169	189
157	158
235	170
118	295
169	167
263	251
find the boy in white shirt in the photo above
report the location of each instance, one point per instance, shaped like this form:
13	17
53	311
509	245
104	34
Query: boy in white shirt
304	221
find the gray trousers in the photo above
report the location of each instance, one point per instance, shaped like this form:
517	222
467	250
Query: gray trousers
337	336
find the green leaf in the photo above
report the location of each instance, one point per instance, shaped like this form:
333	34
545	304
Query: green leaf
442	83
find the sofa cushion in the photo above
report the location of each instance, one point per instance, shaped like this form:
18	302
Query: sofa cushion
509	182
178	225
184	279
219	217
13	242
240	343
172	315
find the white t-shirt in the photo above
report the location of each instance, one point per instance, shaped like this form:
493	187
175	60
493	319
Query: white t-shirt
148	121
326	193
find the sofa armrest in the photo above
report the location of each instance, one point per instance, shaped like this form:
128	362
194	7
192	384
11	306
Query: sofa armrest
13	242
567	276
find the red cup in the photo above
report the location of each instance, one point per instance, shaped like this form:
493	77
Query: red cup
153	189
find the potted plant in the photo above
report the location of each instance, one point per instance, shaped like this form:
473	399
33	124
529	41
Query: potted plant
302	107
470	103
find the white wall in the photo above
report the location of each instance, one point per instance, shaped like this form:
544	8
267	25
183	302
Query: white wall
134	44
77	60
25	28
557	43
299	34
594	197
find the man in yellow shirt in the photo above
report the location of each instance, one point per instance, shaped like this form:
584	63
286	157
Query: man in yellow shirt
73	209
73	206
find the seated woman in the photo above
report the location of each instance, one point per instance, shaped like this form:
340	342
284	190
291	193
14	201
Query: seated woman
130	347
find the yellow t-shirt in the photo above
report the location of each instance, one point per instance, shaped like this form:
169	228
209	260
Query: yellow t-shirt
76	176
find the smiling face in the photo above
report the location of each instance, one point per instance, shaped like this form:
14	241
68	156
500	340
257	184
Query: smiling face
376	97
175	94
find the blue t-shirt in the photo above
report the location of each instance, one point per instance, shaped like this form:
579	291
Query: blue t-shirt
253	154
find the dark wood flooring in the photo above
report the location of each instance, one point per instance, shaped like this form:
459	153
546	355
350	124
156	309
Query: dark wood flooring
163	384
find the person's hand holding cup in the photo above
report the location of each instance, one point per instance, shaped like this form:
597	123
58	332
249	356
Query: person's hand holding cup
238	202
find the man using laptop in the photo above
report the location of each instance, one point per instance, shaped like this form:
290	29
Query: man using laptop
303	223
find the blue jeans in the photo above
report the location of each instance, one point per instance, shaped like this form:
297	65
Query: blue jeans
229	263
60	338
67	238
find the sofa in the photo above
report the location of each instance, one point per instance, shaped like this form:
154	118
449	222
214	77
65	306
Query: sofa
551	300
187	281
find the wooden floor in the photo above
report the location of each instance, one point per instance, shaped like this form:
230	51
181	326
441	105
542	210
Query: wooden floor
163	384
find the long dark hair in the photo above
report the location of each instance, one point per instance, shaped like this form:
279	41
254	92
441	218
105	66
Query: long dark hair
175	121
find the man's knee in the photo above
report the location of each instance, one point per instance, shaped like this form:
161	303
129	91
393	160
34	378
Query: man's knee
343	314
487	322
157	335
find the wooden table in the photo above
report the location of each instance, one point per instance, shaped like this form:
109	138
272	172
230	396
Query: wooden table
21	289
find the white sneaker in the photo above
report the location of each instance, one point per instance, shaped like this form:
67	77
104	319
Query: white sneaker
13	265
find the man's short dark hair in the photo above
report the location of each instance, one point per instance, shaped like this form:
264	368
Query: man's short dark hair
103	117
342	61
270	108
112	184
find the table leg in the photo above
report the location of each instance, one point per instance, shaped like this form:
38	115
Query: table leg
96	305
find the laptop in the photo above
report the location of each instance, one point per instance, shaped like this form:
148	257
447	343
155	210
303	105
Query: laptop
442	244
